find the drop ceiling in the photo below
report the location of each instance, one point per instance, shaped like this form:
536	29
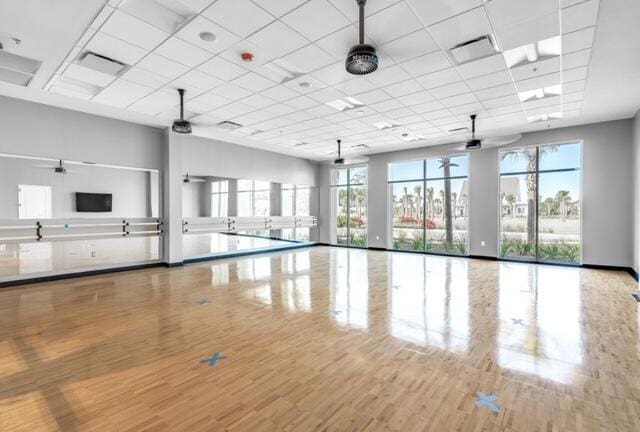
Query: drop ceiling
553	68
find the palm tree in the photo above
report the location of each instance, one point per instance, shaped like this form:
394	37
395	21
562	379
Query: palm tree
446	164
510	199
418	192
529	154
430	200
563	198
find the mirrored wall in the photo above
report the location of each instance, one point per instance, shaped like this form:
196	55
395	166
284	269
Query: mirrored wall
58	216
223	216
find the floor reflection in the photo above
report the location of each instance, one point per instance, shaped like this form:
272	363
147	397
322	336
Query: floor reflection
201	245
349	284
539	315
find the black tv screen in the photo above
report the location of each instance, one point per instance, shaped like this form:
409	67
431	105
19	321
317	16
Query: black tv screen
92	202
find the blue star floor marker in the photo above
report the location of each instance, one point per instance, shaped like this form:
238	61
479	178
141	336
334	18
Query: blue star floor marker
518	321
488	401
215	358
204	302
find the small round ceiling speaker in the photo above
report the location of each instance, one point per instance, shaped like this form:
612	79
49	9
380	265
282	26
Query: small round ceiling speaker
362	58
207	36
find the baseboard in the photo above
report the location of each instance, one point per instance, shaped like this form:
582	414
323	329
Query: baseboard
250	252
173	264
64	276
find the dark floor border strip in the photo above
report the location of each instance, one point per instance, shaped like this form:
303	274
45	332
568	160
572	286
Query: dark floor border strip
250	252
74	275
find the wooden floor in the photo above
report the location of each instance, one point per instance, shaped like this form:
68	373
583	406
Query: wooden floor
324	339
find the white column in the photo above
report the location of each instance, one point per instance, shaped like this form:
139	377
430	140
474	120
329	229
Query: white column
172	198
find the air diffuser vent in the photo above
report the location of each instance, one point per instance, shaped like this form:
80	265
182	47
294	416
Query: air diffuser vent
102	64
475	49
229	125
17	69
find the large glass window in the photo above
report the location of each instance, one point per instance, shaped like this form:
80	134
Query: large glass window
349	191
220	198
295	202
540	203
429	204
254	198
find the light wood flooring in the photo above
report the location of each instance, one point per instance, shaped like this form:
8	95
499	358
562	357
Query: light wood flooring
324	339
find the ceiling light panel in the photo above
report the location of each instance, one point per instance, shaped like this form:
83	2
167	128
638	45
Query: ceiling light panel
533	52
88	76
114	48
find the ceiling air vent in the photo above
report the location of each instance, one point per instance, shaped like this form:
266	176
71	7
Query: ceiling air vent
229	125
102	64
475	49
16	69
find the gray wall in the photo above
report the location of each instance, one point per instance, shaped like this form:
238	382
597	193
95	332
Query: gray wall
607	181
636	192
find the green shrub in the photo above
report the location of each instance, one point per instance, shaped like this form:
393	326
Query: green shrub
418	243
570	252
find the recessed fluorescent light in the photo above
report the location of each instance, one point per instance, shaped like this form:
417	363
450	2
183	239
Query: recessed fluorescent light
168	15
476	49
544	117
530	53
540	93
284	70
382	125
345	104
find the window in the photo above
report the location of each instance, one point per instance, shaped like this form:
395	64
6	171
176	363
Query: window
540	211
34	202
295	202
220	198
349	193
429	202
254	198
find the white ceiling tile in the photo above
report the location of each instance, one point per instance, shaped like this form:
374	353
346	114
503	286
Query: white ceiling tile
497	91
327	95
483	66
539	68
145	78
580	16
133	30
309	58
239	17
576	59
305	84
433	11
554	101
358	84
575	74
338	43
196	5
573	86
315	19
258	101
122	93
278	38
281	109
116	49
254	82
489	80
222	69
191	33
403	88
573	97
212	100
333	74
578	40
386	106
521	22
280	93
320	111
467	109
200	80
231	92
279	7
461	28
539	82
415	98
436	115
373	96
450	90
156	102
440	78
392	23
506	109
183	52
350	9
427	64
389	75
87	75
410	46
302	102
501	101
162	66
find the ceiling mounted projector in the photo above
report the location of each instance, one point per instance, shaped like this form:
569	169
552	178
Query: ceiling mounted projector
362	58
181	125
351	160
477	143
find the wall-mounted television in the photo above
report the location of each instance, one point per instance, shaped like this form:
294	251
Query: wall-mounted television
93	202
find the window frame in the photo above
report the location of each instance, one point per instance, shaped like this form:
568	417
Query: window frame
348	185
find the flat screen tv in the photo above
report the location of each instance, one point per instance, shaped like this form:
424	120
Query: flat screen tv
92	202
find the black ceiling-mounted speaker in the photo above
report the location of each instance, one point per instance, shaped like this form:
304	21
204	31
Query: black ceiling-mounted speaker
181	125
474	143
362	58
